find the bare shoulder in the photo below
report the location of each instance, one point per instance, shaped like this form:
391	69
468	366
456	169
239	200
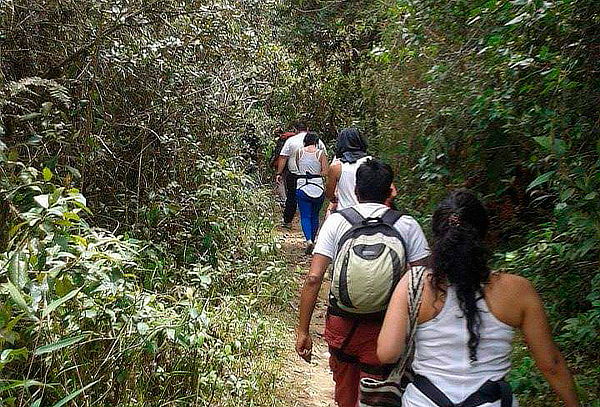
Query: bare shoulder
516	287
510	280
509	296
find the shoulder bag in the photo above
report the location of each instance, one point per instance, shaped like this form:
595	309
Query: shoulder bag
385	393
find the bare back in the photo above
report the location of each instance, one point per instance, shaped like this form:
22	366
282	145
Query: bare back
503	295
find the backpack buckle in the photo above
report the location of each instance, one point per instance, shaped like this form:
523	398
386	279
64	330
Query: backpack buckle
372	221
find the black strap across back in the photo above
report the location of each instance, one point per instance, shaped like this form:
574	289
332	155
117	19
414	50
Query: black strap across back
390	217
489	392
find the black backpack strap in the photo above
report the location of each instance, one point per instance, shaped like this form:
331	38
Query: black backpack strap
390	217
431	391
352	216
489	392
507	396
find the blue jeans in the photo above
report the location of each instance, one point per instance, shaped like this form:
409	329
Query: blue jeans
309	213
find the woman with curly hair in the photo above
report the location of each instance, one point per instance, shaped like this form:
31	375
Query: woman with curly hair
467	320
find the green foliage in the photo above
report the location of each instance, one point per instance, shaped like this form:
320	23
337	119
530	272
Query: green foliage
497	96
136	247
137	260
84	306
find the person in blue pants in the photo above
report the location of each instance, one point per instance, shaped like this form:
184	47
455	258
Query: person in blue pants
310	188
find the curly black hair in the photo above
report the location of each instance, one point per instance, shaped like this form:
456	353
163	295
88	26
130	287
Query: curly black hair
460	257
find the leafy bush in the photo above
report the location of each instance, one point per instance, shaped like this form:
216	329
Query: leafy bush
84	309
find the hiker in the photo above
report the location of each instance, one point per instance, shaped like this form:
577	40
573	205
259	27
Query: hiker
379	250
312	167
290	147
467	319
281	136
350	153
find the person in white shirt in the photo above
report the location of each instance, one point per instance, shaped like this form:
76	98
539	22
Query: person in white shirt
287	171
353	346
351	152
310	188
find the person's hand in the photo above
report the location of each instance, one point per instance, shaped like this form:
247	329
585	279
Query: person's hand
330	209
304	345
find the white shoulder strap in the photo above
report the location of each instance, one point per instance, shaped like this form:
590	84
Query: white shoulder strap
416	283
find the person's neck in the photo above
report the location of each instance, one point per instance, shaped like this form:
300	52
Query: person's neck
372	201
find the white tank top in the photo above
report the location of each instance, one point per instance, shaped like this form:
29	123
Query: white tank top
310	163
442	354
346	184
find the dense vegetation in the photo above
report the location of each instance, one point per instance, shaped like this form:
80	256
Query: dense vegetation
138	264
498	96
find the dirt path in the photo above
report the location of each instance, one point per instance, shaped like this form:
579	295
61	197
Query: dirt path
313	380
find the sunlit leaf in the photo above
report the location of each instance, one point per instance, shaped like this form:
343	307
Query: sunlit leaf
43	200
47	173
517	19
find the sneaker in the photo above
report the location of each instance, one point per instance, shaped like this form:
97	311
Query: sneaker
309	247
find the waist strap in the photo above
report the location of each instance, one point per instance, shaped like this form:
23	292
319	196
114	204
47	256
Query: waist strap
489	392
333	309
309	176
375	370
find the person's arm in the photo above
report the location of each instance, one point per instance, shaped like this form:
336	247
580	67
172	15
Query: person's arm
308	299
417	248
538	336
281	163
324	164
392	336
332	179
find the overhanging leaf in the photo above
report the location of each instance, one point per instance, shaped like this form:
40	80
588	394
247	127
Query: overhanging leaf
13	384
542	179
17	270
17	297
58	302
71	396
63	343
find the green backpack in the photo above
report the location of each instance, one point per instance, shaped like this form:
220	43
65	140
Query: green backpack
370	261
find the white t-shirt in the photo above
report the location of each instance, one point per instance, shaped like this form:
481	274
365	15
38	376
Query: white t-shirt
292	145
347	183
336	225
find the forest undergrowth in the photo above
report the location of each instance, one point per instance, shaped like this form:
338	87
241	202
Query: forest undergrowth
116	320
138	260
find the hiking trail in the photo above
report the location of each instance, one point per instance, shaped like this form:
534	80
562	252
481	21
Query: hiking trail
313	381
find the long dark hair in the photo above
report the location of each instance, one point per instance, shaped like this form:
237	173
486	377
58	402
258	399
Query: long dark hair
460	224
